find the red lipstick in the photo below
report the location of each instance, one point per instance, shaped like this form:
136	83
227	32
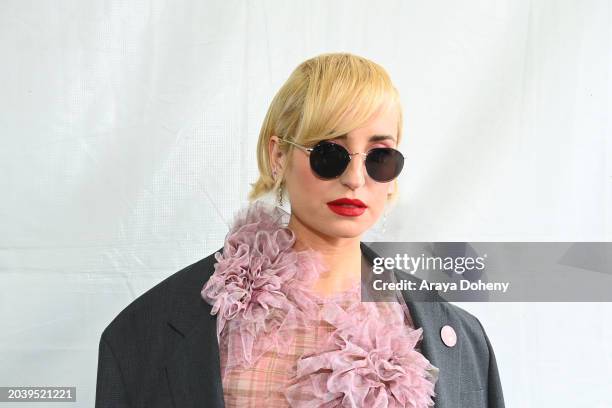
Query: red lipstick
347	207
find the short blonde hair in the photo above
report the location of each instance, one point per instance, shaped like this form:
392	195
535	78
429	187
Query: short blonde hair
324	97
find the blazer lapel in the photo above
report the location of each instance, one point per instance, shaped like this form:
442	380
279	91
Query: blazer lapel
430	316
428	313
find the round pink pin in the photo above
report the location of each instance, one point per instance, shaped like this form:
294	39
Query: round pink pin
449	337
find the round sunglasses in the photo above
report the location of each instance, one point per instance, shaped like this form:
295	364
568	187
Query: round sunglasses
329	160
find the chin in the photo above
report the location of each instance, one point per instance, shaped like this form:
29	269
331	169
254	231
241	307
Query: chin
346	232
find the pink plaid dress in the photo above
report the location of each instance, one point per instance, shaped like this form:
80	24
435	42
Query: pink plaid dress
264	384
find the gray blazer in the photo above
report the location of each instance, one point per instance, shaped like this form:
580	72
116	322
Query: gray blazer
162	349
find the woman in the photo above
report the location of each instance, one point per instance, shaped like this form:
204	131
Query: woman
274	317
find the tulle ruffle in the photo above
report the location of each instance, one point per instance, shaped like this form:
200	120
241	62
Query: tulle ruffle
369	360
260	288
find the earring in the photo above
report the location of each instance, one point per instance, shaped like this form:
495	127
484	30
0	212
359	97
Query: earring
384	223
280	195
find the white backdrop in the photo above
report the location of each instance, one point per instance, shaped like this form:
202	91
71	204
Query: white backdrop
128	133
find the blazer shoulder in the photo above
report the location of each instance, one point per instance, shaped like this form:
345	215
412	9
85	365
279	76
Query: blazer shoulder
181	290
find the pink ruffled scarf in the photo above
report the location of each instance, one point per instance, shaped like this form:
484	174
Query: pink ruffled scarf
261	291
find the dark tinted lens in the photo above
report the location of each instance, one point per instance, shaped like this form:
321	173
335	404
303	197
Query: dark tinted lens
384	164
329	160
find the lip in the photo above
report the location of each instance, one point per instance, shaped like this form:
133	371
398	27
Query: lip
347	207
348	201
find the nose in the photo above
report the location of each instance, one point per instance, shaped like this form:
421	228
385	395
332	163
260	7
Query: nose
354	174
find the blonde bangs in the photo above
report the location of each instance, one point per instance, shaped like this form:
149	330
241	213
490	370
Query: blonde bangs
344	93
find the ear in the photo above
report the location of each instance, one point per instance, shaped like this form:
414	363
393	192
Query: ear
277	157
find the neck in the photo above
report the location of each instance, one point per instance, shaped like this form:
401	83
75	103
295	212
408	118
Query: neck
342	257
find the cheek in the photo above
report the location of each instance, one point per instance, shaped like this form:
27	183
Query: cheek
303	177
378	197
